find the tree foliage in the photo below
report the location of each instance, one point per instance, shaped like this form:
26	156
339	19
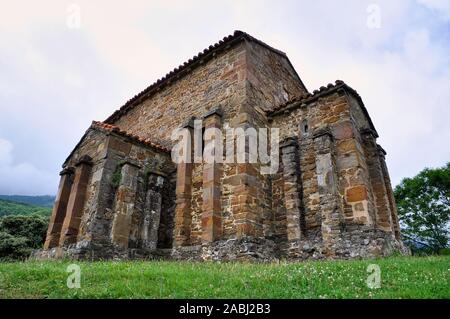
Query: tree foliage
423	204
19	235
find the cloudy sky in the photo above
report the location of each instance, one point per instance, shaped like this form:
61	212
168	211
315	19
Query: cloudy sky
58	72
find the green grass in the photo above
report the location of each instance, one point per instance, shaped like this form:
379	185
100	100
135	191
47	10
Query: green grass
401	277
8	208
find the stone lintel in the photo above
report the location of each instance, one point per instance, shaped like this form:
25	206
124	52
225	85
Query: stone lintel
67	171
85	159
289	141
189	124
217	110
156	172
368	132
131	163
322	132
381	150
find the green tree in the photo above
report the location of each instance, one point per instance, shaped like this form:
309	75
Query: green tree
19	235
14	247
423	204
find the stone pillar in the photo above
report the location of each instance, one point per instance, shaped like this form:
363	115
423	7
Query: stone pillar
76	202
389	192
382	207
359	207
152	212
330	199
211	209
246	187
295	218
104	187
59	208
183	218
124	205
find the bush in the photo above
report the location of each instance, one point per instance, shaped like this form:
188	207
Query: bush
12	247
19	235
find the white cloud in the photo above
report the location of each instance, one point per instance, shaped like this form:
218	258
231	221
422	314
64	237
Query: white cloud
22	178
442	7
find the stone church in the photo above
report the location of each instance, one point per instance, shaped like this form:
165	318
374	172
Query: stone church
121	196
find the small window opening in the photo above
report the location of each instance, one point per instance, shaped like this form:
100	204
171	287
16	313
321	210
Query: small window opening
305	127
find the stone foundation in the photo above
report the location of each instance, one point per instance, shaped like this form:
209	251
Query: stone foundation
357	244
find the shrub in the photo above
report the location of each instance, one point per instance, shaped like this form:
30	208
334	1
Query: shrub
19	235
14	247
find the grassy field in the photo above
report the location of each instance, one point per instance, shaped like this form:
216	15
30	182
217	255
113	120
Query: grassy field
401	277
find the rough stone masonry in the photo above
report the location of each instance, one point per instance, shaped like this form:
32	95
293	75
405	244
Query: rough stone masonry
122	197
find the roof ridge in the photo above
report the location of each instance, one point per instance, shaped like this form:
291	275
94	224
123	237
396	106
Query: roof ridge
136	138
186	67
306	98
260	42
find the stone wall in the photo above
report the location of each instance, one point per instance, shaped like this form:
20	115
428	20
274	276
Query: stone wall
128	207
220	81
121	196
245	194
355	163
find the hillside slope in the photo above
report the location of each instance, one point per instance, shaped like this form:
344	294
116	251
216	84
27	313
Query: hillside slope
12	208
43	201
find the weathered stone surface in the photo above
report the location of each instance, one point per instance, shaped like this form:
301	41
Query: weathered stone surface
295	217
76	202
59	209
356	194
330	198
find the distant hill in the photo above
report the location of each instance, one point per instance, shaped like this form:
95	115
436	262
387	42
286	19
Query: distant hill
43	201
13	208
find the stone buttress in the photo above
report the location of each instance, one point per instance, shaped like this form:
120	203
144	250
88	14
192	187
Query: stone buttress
122	196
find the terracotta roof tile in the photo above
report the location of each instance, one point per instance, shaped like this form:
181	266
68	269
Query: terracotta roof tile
113	128
307	98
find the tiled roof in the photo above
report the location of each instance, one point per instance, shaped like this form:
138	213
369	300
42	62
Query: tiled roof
208	53
115	129
322	91
306	98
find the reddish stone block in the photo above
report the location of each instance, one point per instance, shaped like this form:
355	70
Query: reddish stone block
120	146
343	130
356	194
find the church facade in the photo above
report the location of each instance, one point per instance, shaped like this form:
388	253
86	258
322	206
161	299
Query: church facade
122	196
